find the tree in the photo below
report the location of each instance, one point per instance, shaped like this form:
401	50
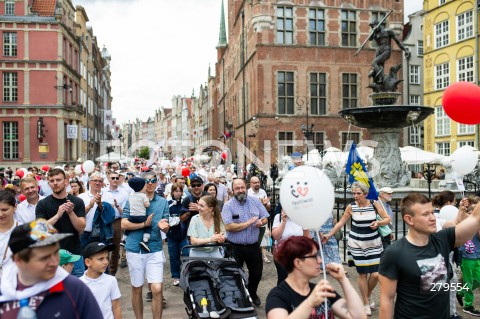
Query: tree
144	152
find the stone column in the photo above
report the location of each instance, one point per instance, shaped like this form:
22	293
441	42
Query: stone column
26	139
61	140
74	142
391	171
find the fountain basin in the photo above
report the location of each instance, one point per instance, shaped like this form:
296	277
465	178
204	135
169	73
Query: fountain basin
391	116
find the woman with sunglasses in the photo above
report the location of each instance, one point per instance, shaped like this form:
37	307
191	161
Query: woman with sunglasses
76	187
297	297
364	241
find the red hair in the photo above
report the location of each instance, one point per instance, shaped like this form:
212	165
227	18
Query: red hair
293	247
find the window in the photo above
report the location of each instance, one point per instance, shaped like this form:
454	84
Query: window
465	25
352	136
443	148
414	75
285	86
10	140
10	87
285	143
441	34
377	16
442	122
318	93
318	141
349	28
440	2
317	26
414	99
465	69
442	76
414	135
465	129
349	90
420	47
466	143
10	44
284	25
9	7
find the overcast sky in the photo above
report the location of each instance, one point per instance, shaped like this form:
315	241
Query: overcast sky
159	48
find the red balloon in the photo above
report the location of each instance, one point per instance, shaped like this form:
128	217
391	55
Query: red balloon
185	172
45	168
461	102
20	173
21	198
145	168
224	155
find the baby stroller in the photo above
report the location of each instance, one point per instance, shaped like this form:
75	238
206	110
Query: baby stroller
215	288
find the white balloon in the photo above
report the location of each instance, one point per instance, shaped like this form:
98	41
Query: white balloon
464	160
78	169
25	172
88	166
307	196
448	212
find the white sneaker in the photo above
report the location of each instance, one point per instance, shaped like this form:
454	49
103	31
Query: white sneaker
368	311
176	282
372	304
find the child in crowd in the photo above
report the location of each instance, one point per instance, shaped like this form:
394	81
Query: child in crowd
67	259
104	287
470	269
138	209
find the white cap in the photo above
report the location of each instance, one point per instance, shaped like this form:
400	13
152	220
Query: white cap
387	190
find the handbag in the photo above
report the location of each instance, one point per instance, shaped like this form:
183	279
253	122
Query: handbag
384	230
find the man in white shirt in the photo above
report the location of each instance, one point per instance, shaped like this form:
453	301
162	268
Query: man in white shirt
25	212
258	192
122	184
120	197
92	199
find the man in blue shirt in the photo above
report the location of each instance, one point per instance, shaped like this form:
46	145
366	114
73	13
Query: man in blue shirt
243	216
149	264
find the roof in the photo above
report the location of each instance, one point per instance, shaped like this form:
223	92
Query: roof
44	8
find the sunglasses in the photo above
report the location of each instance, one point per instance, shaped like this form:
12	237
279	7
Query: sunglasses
115	178
196	185
150	180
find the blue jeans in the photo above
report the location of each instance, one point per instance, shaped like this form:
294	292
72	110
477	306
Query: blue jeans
174	248
78	268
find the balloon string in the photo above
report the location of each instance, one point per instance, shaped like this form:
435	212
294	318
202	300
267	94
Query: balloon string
323	268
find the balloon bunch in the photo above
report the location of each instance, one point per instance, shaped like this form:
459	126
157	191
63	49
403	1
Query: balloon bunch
86	167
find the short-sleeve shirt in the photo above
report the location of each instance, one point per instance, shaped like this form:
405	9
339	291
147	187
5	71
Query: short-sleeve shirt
222	191
186	202
25	212
120	195
236	212
48	207
198	230
137	204
417	270
104	289
291	228
87	197
284	297
159	207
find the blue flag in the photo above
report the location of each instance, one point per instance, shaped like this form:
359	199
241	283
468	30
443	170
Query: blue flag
357	171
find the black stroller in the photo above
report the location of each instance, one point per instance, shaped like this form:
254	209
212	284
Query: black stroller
215	288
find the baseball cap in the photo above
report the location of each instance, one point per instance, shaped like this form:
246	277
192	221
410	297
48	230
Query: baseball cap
96	247
387	190
196	179
38	233
67	257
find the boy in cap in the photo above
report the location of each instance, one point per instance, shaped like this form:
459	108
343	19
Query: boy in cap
104	287
138	210
67	259
52	292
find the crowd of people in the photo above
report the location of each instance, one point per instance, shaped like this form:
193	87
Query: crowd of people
65	235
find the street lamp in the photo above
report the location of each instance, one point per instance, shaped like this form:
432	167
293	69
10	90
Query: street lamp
306	129
429	175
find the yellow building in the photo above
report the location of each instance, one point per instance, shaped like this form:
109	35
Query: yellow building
450	56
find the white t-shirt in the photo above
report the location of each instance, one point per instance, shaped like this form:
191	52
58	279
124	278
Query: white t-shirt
261	194
104	289
137	206
25	212
291	228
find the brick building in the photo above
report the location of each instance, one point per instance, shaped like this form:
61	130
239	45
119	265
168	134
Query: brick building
286	61
53	74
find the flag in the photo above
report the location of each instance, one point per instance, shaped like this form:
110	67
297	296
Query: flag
357	171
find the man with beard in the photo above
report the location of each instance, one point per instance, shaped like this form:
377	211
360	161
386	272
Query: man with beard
25	212
67	213
243	215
